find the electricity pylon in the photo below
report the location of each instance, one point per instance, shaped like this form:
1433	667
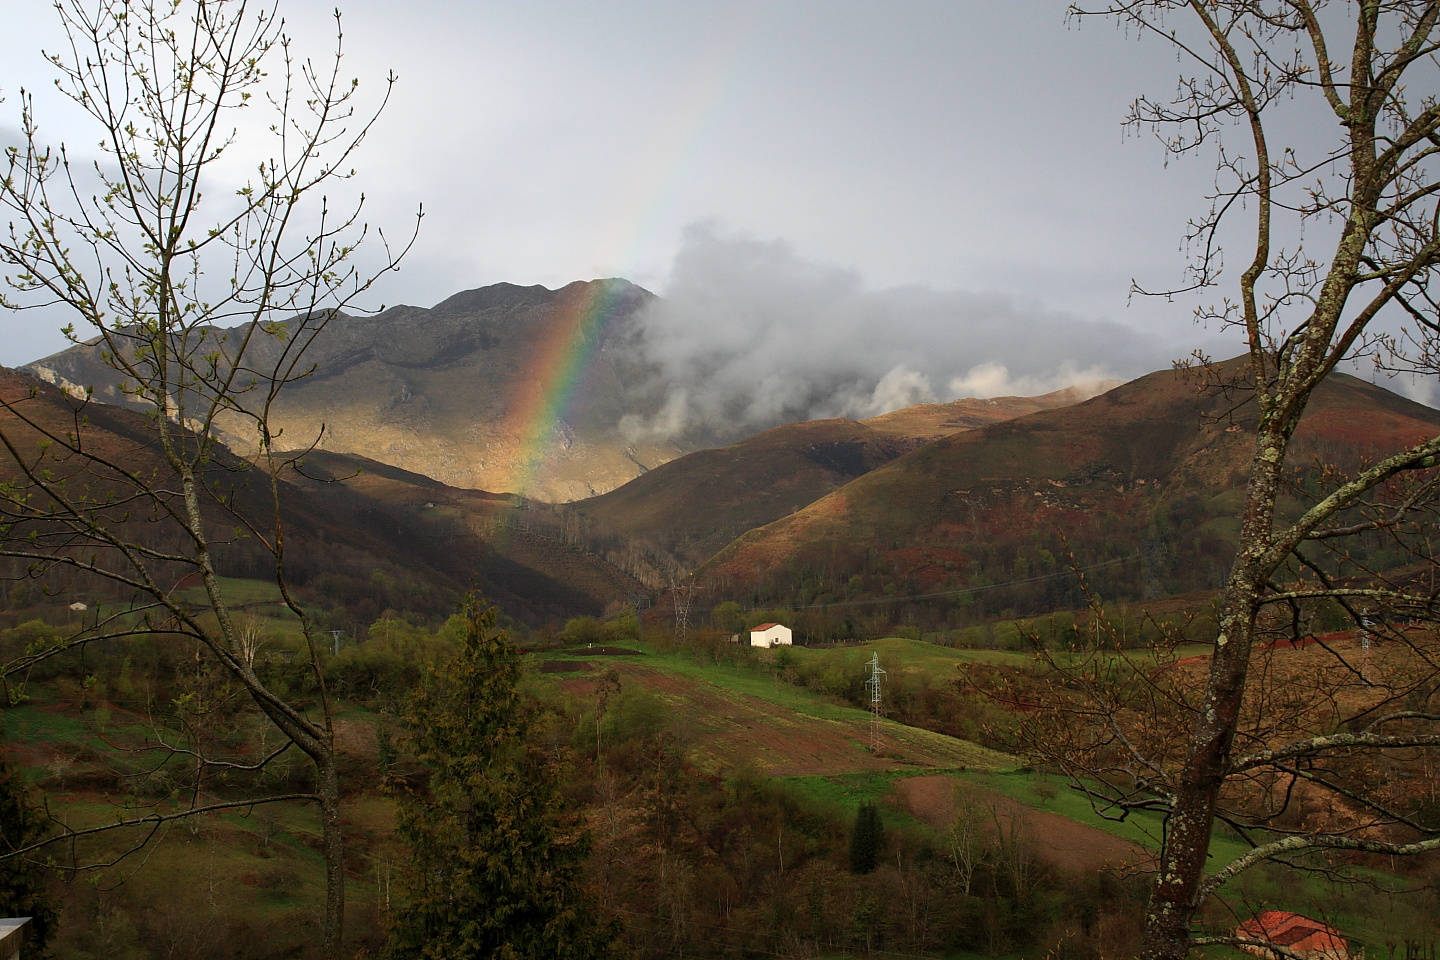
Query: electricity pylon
873	684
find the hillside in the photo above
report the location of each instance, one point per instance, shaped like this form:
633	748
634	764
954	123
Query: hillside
934	420
1143	479
517	389
360	536
525	547
696	504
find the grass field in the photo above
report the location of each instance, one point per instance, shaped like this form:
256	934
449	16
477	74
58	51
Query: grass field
921	655
257	864
748	715
255	598
1372	910
735	717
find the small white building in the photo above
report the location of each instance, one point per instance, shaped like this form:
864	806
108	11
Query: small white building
770	635
78	607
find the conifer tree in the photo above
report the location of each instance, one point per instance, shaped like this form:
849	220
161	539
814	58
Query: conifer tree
495	860
866	839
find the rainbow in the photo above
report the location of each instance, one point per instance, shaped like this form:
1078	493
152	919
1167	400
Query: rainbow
548	389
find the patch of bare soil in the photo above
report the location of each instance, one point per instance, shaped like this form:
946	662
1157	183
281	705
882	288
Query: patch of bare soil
1058	840
734	729
356	739
565	666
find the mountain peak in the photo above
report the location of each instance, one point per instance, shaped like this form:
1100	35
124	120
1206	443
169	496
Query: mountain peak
514	296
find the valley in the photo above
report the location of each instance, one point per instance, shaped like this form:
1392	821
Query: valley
762	768
994	556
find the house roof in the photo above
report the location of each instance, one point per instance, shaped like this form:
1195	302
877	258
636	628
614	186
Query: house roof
764	626
1292	930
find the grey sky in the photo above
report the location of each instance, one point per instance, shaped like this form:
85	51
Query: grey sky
971	148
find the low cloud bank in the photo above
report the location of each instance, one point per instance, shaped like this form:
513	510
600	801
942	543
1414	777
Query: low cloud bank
749	334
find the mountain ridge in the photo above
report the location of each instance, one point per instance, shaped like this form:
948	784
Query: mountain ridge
1150	461
348	521
693	505
454	391
545	393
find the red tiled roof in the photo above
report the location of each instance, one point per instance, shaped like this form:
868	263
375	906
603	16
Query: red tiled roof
1294	931
763	627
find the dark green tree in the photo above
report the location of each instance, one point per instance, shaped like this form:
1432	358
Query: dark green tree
22	880
866	839
495	860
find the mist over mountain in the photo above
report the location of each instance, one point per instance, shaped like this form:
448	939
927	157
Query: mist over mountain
565	394
694	505
750	333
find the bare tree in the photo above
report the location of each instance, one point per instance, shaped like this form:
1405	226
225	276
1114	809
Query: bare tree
205	295
1340	247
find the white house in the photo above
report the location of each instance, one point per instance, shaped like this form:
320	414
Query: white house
770	635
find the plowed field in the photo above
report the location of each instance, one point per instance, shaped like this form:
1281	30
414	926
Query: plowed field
729	728
1057	840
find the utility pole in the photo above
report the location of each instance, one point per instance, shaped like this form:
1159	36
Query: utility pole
873	684
683	598
1365	647
335	635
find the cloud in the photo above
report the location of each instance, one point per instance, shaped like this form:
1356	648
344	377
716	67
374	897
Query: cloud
992	379
749	334
900	387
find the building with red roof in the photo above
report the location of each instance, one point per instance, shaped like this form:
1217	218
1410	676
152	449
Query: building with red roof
770	635
1299	936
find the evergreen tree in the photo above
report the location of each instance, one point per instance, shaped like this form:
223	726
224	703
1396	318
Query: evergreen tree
22	880
866	839
495	861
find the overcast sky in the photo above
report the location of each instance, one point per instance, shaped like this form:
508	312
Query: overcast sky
962	150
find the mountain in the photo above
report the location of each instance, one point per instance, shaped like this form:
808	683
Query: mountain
1142	482
360	535
518	389
934	420
529	549
694	505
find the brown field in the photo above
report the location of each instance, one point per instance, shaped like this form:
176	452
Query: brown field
726	729
1057	840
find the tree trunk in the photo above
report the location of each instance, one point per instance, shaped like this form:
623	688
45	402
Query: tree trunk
334	858
1173	902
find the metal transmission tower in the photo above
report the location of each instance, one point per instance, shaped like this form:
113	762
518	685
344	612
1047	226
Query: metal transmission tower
873	684
683	597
